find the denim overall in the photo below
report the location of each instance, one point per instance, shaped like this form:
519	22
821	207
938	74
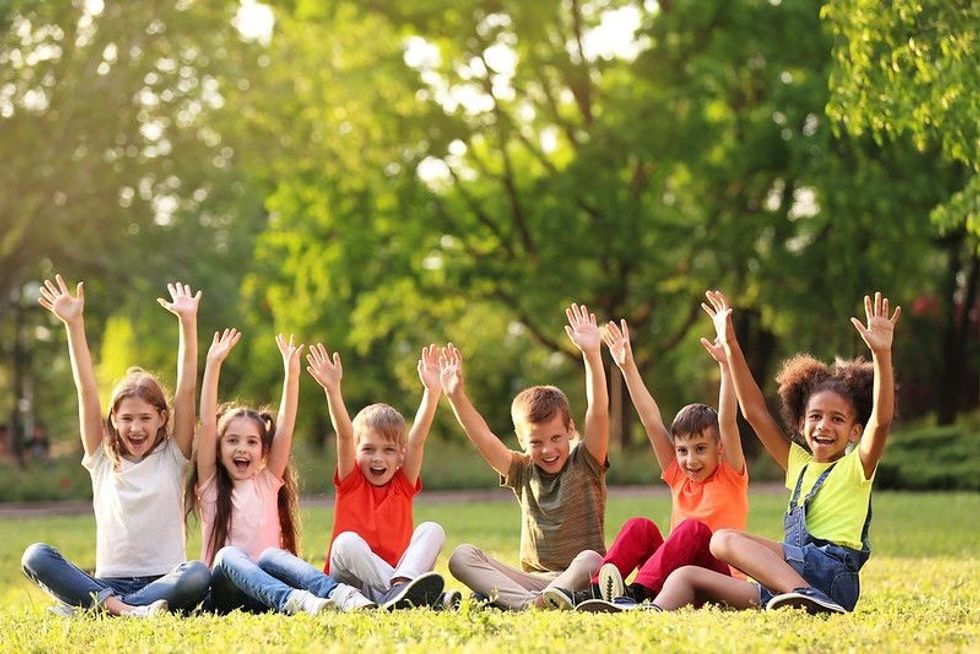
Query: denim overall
828	567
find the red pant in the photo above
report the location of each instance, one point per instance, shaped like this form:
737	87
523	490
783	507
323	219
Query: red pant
639	545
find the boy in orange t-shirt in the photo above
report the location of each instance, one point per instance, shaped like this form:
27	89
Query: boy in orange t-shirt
702	463
374	547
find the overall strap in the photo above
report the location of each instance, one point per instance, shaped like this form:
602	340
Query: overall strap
813	491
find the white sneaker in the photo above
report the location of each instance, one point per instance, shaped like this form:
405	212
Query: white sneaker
611	582
149	610
63	610
303	601
348	598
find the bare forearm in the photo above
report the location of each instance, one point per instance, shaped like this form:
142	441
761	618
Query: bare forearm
490	447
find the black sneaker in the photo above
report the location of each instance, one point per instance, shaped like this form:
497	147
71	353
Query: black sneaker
558	599
618	605
424	590
611	583
807	598
449	601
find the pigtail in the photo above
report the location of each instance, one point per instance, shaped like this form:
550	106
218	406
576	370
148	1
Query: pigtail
288	503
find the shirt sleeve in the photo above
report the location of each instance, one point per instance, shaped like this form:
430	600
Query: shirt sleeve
798	457
517	472
354	479
583	458
671	474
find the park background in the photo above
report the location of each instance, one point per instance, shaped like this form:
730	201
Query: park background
380	175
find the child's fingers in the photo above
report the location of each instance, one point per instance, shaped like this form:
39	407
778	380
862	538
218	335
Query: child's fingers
858	325
894	318
867	307
163	303
80	291
884	307
51	287
708	310
61	283
568	330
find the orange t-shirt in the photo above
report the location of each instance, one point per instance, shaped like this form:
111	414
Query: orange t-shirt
381	515
721	501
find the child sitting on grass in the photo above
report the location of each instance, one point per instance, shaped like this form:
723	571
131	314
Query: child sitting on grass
137	467
245	495
825	544
561	487
703	465
374	547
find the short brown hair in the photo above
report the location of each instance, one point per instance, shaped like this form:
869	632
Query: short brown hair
694	419
539	404
383	419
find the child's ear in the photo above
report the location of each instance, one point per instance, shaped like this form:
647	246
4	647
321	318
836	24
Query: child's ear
856	430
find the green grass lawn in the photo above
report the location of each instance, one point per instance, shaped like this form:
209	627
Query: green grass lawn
921	593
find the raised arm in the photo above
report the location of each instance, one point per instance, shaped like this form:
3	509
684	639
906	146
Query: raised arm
282	441
56	298
584	332
327	370
207	443
617	339
184	306
878	335
428	368
750	397
731	441
491	448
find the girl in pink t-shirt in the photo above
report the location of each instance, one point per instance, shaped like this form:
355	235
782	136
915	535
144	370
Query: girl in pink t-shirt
245	495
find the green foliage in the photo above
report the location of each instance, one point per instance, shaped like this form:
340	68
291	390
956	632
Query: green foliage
938	458
920	590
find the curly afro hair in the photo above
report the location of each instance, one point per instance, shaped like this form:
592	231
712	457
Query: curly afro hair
802	375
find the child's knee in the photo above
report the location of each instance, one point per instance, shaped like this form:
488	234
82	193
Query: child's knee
224	555
268	555
694	529
723	543
640	525
433	532
195	578
347	545
35	556
589	559
463	557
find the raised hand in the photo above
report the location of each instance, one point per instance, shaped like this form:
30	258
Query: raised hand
716	350
720	312
617	339
324	368
222	344
429	368
880	330
290	352
582	328
182	303
451	369
58	299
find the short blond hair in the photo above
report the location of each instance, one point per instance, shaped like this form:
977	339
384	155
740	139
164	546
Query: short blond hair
383	419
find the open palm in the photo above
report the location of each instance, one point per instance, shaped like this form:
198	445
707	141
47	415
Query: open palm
56	298
879	332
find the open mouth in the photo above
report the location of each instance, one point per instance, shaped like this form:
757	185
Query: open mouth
137	439
241	463
377	471
550	461
823	440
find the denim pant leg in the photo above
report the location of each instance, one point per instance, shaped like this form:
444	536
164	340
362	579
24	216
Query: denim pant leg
248	577
227	597
184	588
296	572
46	567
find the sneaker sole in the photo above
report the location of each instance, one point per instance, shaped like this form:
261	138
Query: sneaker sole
811	605
421	591
599	606
611	583
557	601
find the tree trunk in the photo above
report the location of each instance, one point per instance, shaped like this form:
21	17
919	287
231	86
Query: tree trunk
956	331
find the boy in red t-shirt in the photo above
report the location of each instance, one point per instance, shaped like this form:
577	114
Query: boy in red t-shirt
702	463
373	546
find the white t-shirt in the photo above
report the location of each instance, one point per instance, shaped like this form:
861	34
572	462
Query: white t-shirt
139	512
254	514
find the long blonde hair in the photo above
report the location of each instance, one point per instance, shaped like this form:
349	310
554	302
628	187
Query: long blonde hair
143	385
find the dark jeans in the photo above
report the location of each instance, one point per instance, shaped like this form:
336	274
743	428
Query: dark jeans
183	587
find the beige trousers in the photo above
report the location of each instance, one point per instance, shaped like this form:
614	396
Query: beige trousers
510	588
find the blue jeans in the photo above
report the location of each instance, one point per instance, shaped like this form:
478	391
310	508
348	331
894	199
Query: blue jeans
296	573
183	587
240	583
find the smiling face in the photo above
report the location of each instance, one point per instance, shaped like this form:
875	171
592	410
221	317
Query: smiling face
829	424
138	424
698	454
548	442
378	457
240	448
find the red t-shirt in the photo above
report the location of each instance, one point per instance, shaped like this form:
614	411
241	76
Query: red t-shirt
381	515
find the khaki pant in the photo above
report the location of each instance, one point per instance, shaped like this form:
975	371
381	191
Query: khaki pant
510	588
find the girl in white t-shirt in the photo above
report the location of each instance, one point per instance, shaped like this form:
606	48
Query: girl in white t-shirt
245	496
137	469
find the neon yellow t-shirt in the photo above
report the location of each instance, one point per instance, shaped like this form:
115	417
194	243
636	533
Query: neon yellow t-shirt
838	511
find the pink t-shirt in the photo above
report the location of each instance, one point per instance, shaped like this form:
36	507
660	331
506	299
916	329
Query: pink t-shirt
254	514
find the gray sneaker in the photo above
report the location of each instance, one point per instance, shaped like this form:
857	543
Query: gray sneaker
424	590
558	599
611	583
348	598
808	598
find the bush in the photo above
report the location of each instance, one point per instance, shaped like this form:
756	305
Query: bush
932	458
